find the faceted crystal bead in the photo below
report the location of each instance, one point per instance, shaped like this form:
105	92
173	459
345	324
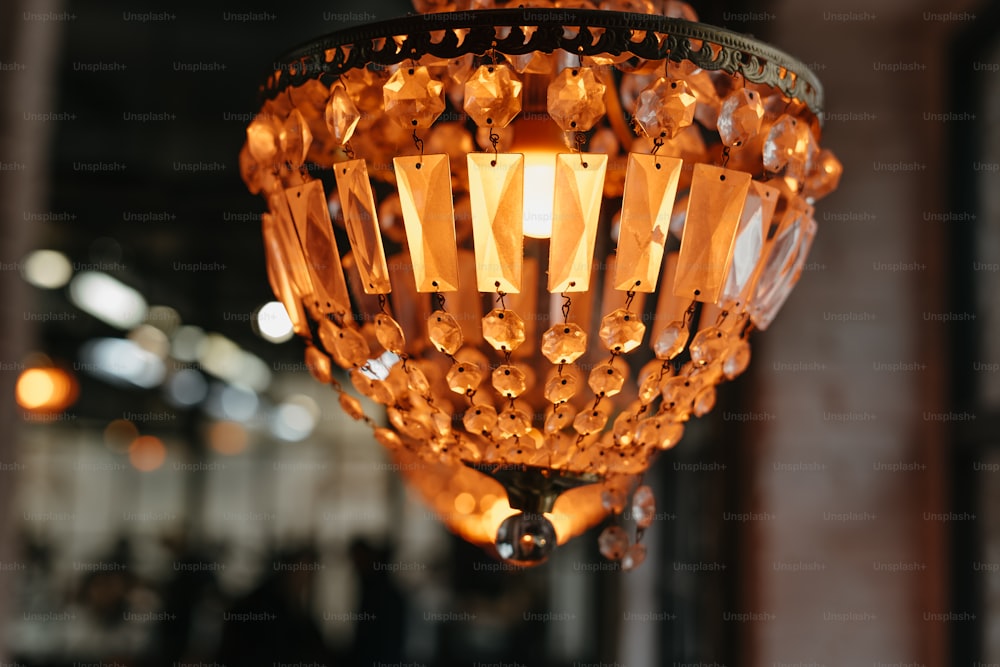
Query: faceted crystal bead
318	364
740	117
671	341
347	346
503	329
559	417
513	422
413	98
678	392
643	507
576	99
624	428
262	140
782	143
606	380
670	434
824	177
387	439
613	542
648	433
704	401
564	343
561	387
590	421
708	345
376	390
464	377
365	88
634	557
408	424
736	360
509	381
416	380
492	96
480	418
622	331
351	406
649	388
613	499
665	108
341	115
389	333
444	332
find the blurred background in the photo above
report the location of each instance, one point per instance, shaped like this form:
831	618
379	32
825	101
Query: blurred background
198	499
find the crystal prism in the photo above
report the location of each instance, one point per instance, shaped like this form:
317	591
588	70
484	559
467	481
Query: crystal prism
755	221
496	190
650	188
307	205
767	304
576	209
715	205
295	139
361	221
424	184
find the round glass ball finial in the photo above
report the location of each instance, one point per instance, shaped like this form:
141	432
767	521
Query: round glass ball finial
526	539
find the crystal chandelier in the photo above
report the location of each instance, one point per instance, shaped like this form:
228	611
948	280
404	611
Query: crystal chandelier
539	237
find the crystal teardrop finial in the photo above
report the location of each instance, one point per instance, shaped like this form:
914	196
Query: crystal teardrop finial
525	539
342	115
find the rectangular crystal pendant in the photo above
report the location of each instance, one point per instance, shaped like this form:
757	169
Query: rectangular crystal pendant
279	276
361	220
783	267
424	185
650	188
311	216
576	208
715	204
750	236
287	236
496	191
669	307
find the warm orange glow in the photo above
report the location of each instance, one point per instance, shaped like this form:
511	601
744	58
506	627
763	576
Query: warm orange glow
228	438
45	390
147	453
465	503
539	190
119	434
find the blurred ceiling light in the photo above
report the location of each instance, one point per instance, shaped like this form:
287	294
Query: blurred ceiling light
45	390
147	453
227	361
295	419
107	299
123	362
185	343
119	434
186	387
231	403
150	339
273	323
48	269
226	437
164	318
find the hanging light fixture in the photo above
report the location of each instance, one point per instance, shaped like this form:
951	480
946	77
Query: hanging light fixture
539	237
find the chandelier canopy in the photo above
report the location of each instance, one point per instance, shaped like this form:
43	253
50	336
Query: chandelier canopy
539	237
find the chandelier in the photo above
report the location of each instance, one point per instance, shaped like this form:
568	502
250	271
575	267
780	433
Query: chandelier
539	237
